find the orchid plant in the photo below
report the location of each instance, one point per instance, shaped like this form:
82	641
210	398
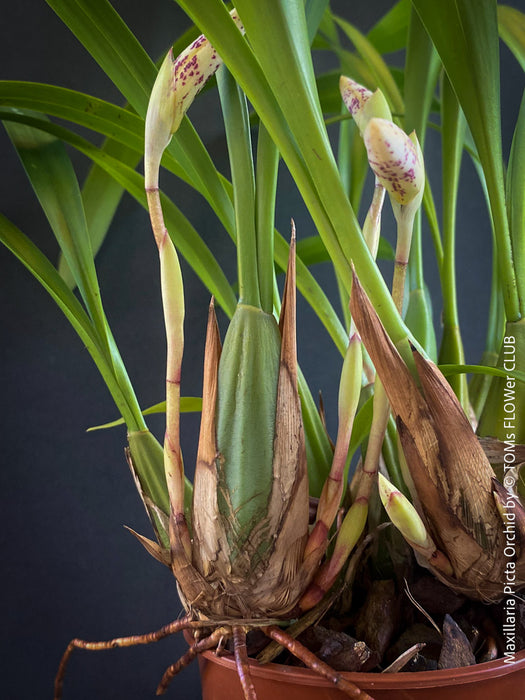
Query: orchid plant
270	532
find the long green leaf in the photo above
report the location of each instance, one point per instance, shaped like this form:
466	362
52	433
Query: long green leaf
97	25
389	34
237	125
516	201
465	34
113	46
77	107
101	195
51	174
421	71
193	249
453	136
88	111
39	266
265	193
120	173
308	153
448	370
511	22
374	60
312	251
188	404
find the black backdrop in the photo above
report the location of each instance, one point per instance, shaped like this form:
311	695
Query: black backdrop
69	568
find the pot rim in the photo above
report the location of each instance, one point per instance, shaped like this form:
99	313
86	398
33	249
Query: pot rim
370	681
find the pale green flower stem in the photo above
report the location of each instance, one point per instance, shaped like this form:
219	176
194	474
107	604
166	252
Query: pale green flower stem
173	304
355	519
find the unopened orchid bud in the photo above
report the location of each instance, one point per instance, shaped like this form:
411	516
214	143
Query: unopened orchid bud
396	160
178	82
363	104
407	520
402	513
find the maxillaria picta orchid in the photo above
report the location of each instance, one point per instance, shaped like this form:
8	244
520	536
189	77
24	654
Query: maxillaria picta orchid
246	559
248	545
249	557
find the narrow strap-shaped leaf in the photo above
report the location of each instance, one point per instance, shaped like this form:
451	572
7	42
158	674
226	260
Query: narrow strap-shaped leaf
39	266
188	404
314	11
107	38
516	201
52	176
496	314
128	131
218	27
101	194
116	123
308	155
85	110
448	370
511	23
465	35
237	125
220	288
389	34
311	250
374	60
453	136
97	25
265	194
421	71
126	128
188	241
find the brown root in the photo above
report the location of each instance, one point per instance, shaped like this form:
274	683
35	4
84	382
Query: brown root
214	640
311	661
241	661
210	642
134	640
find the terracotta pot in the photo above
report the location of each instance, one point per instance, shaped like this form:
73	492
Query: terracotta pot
488	681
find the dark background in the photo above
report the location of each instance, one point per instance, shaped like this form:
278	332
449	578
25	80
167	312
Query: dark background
69	568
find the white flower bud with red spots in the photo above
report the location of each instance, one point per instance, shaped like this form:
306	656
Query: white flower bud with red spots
178	82
363	104
396	160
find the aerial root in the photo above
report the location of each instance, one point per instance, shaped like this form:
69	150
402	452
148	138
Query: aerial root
310	660
241	661
214	641
210	642
165	631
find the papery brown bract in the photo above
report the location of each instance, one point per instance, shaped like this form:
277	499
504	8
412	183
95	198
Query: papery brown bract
450	471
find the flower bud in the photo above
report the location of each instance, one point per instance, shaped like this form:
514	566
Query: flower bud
178	82
403	514
363	104
395	159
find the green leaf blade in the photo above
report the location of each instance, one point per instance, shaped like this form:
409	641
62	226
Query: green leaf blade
465	35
